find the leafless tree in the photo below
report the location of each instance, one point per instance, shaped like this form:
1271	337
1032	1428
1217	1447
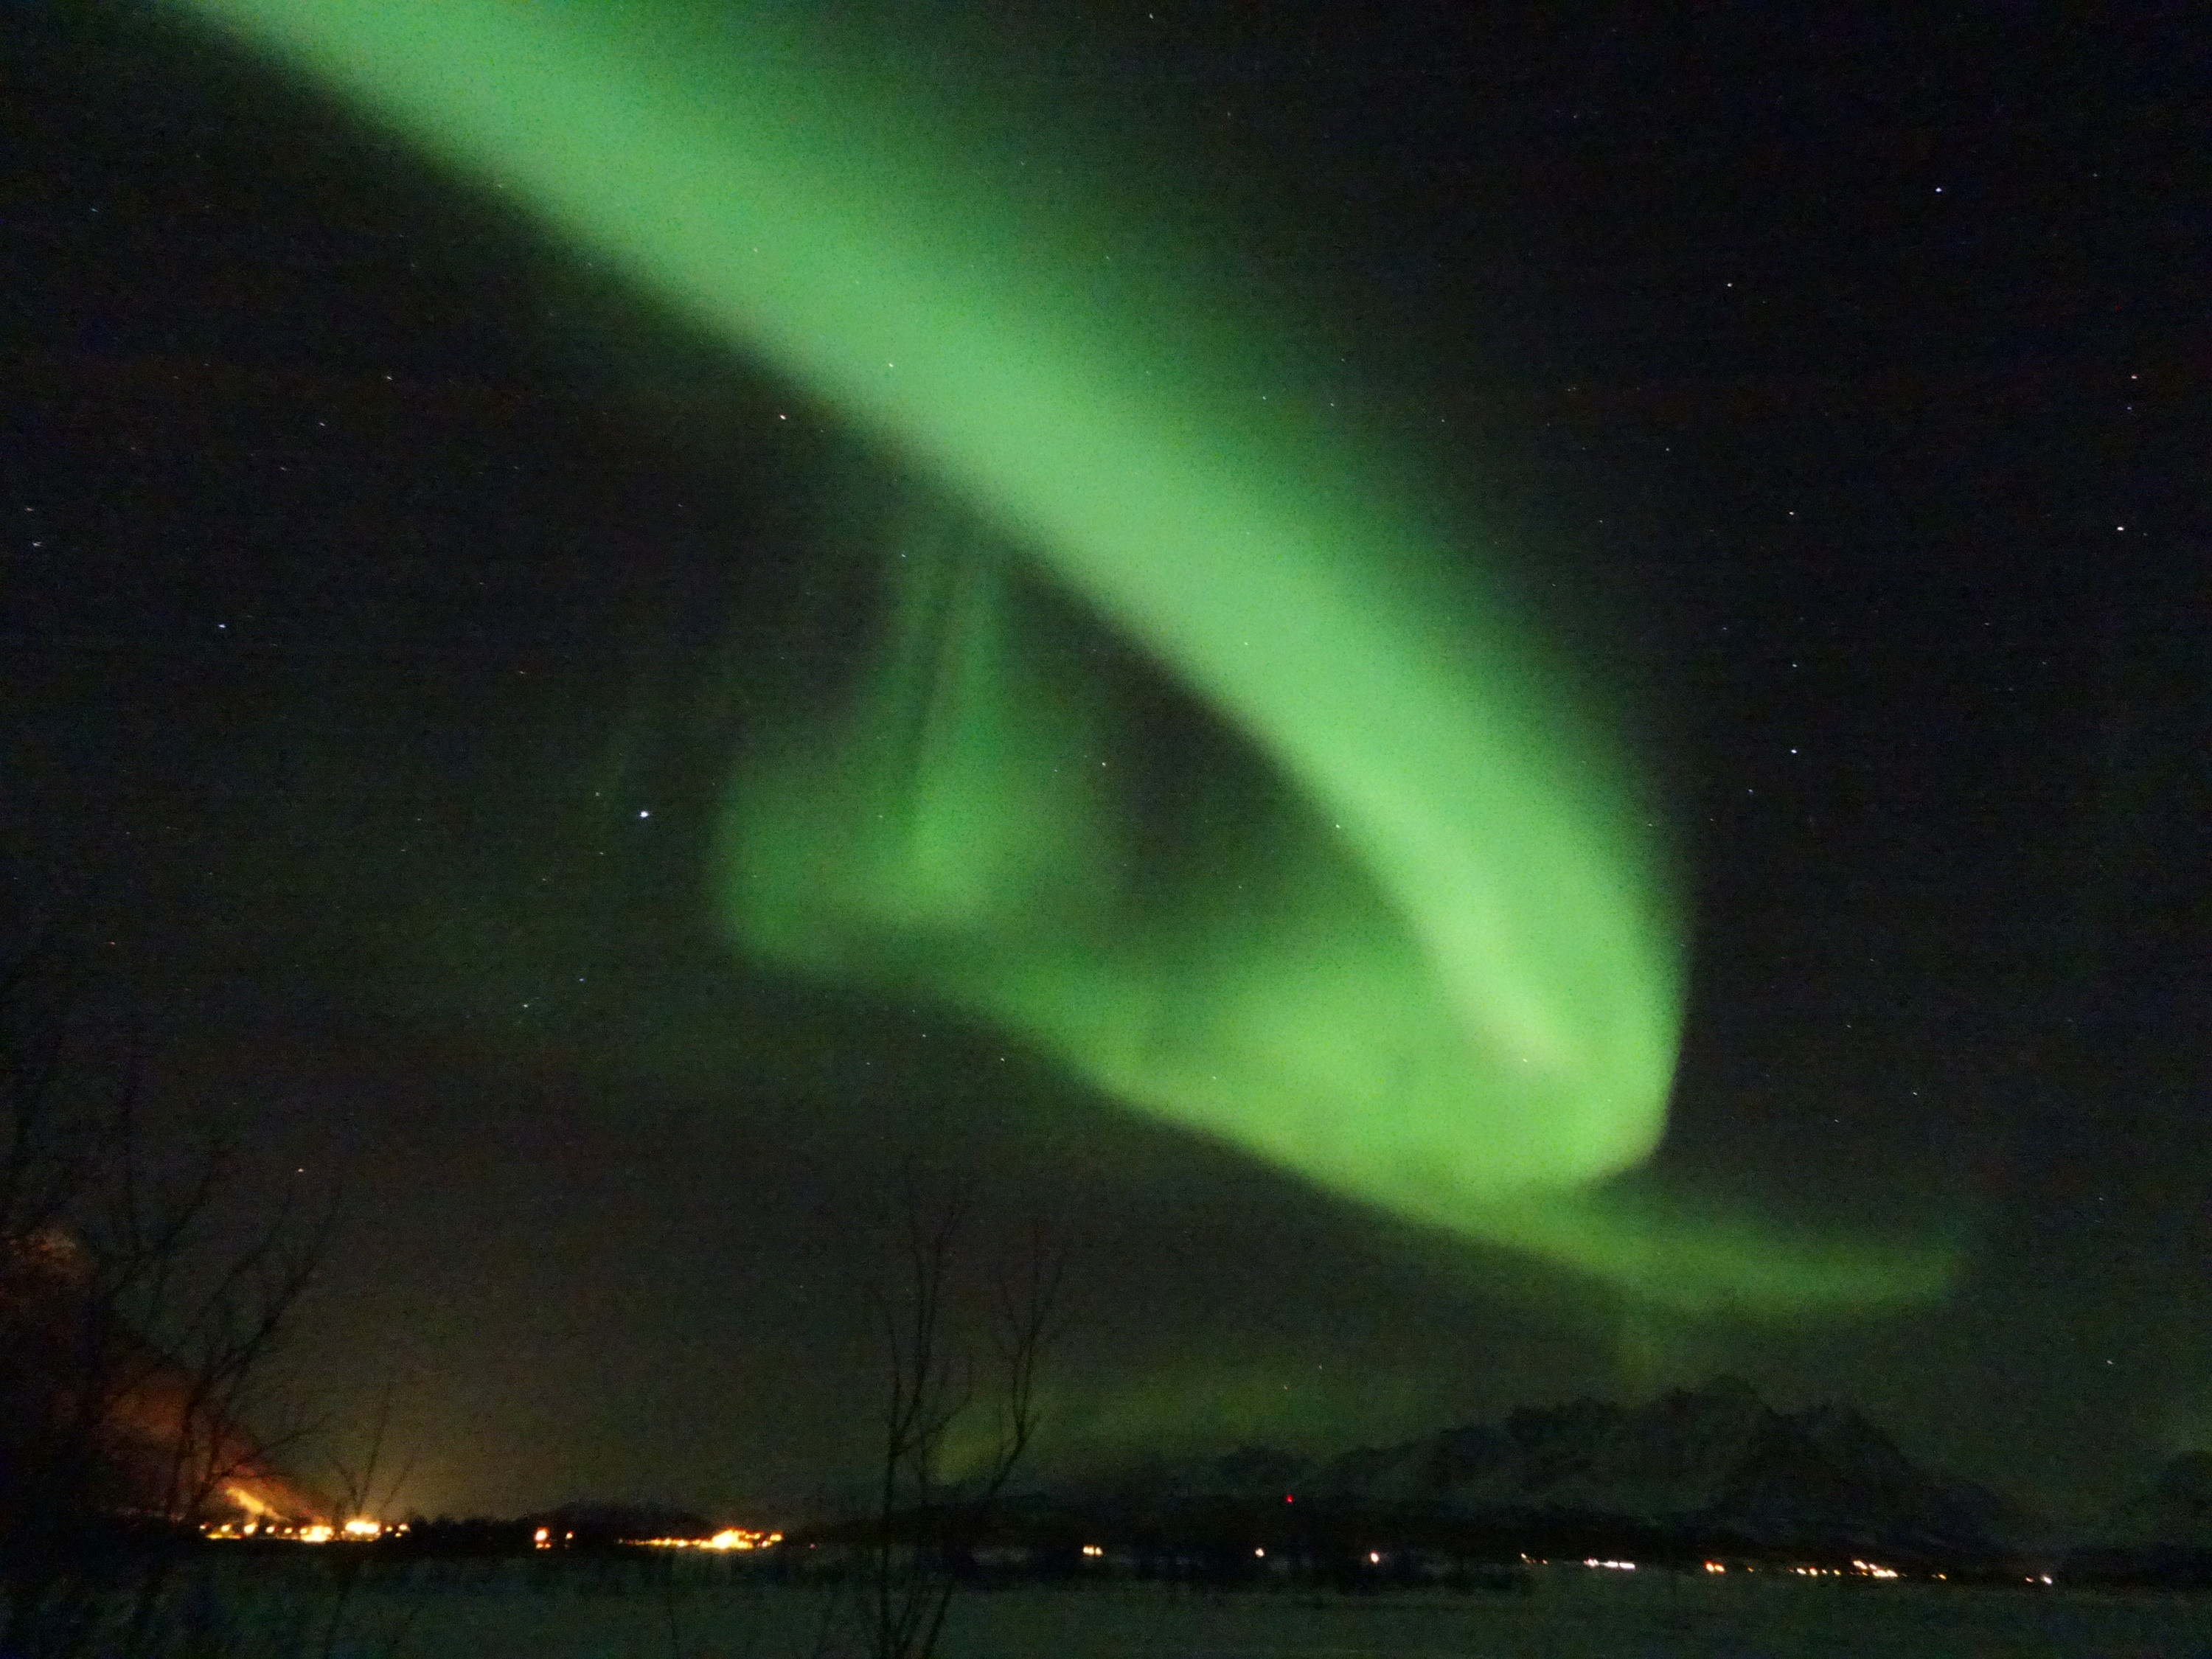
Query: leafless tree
137	1329
361	1485
935	1382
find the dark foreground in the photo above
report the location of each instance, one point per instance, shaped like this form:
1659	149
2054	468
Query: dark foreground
270	1605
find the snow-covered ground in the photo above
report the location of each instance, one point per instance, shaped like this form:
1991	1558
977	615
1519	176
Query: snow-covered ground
555	1610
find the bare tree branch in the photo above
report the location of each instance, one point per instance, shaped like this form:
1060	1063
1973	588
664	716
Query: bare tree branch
135	1334
922	1526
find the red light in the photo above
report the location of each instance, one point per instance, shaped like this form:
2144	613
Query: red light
1287	1498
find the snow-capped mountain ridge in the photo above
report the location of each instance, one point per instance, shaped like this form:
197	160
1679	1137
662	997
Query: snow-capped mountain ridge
1716	1459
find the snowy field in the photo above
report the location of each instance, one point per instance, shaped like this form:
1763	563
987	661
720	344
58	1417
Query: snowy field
589	1611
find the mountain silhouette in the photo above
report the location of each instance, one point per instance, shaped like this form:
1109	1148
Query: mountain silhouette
1714	1463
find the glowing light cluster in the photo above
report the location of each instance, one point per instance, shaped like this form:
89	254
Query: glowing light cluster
1858	1569
360	1529
246	1501
730	1538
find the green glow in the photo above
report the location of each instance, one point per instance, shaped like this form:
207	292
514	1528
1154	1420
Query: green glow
1452	986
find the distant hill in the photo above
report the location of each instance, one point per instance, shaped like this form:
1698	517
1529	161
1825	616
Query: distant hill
2161	1535
2175	1509
1714	1466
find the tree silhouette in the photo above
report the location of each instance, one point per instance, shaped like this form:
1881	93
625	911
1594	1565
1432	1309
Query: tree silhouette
137	1328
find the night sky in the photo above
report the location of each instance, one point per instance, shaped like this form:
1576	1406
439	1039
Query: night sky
384	588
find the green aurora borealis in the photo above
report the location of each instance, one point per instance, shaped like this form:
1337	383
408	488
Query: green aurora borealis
1449	985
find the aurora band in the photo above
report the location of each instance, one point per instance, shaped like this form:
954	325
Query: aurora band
1451	987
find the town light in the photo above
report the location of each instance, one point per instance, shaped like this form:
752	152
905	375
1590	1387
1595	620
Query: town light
730	1538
